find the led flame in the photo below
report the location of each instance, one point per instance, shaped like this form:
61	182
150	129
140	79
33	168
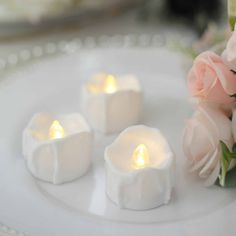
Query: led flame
110	85
140	157
56	130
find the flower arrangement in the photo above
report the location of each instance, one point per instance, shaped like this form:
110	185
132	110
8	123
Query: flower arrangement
209	140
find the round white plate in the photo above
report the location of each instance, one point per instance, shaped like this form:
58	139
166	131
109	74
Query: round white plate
52	83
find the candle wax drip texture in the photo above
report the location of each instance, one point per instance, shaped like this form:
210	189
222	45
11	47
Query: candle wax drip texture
56	130
140	157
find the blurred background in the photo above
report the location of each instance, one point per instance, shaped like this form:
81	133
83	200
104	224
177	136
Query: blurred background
191	26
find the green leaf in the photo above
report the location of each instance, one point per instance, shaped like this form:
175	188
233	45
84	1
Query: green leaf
224	148
230	179
232	155
224	162
232	20
227	178
234	148
232	13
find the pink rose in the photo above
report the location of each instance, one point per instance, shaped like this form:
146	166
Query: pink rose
201	141
229	54
211	80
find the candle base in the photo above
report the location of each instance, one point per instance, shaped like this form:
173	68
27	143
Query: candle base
143	191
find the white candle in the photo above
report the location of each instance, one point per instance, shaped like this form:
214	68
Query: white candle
112	104
57	149
139	169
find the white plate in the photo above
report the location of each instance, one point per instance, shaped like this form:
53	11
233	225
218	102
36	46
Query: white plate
81	207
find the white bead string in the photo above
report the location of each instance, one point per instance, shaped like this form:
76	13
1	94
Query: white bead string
76	44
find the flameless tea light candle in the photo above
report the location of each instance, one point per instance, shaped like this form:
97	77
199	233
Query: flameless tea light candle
57	150
139	169
111	103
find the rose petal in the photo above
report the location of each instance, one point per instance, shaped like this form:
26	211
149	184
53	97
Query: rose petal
210	79
198	165
210	165
213	176
220	124
201	140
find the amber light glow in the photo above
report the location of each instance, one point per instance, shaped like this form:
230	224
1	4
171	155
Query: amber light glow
56	130
140	157
110	85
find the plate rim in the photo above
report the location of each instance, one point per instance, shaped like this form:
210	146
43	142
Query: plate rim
38	51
